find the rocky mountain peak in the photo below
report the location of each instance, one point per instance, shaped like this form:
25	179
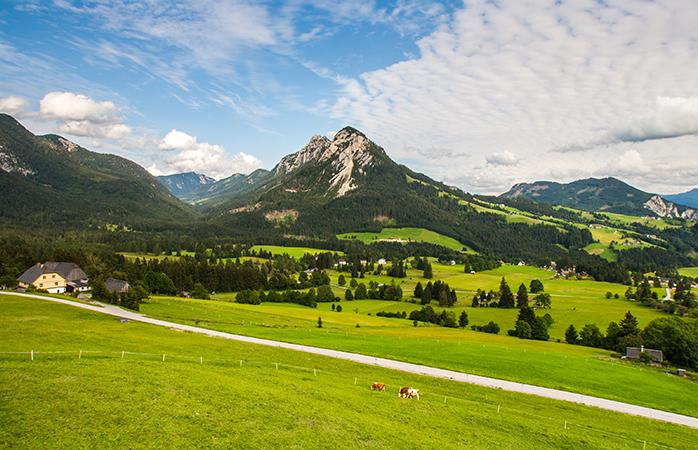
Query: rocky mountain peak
310	152
667	209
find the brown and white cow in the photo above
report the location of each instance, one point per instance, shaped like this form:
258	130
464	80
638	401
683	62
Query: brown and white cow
378	387
408	392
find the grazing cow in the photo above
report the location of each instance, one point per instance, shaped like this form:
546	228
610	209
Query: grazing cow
378	387
408	392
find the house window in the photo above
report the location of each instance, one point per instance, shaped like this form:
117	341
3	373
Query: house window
44	277
41	284
56	283
53	276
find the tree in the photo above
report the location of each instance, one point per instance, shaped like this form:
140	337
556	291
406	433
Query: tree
523	330
463	320
325	294
341	280
200	292
612	337
361	292
319	322
426	296
428	273
522	296
353	283
339	308
628	325
100	291
590	336
348	295
571	335
543	300
536	286
418	290
448	319
506	298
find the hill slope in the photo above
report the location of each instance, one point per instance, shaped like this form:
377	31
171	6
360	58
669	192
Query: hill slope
689	198
51	181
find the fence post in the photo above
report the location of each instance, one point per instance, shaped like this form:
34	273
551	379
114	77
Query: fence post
565	424
122	355
80	355
314	372
201	359
277	366
498	408
354	380
32	355
240	363
163	357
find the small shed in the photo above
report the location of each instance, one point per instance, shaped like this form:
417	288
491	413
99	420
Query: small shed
634	353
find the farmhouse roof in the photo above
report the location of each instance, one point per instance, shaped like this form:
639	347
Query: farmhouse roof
67	271
634	353
113	284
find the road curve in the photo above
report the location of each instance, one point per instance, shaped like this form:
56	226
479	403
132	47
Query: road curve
402	366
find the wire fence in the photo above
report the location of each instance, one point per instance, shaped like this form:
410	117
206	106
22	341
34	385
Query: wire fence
165	357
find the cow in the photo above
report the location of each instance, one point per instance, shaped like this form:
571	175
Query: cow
408	392
378	387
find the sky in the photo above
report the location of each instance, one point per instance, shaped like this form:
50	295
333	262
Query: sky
478	94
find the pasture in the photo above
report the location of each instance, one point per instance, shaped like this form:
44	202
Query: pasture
405	235
547	364
296	252
214	393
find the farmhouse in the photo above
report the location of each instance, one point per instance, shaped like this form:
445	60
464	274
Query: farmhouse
55	277
119	286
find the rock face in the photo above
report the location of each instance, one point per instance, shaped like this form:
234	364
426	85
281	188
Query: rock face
339	161
182	184
667	209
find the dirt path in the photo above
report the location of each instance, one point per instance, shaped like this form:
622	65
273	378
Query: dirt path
402	366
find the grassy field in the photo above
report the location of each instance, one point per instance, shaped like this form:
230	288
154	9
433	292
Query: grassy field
546	364
406	234
689	272
245	396
296	252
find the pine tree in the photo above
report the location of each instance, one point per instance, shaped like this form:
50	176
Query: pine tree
571	335
506	298
428	273
628	325
418	290
319	322
463	320
522	296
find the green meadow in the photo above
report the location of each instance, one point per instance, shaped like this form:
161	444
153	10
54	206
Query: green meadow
296	252
406	234
214	393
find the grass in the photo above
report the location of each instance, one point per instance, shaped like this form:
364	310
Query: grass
689	272
547	364
306	401
296	252
407	234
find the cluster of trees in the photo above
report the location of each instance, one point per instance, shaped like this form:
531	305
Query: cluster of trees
504	298
439	290
393	315
530	326
677	338
374	291
323	294
683	304
444	319
491	328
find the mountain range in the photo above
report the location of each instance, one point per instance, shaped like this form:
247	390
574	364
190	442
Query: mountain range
347	184
601	195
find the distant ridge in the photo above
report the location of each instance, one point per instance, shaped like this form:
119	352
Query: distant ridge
182	184
689	198
600	195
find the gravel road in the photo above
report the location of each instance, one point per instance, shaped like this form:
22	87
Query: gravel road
402	366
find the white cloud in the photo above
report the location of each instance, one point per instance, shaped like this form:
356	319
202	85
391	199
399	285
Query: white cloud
517	77
201	157
628	164
505	158
13	105
79	115
437	152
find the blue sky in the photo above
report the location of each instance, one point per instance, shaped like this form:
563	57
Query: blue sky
478	94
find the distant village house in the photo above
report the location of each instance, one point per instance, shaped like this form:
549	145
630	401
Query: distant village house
55	278
119	286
